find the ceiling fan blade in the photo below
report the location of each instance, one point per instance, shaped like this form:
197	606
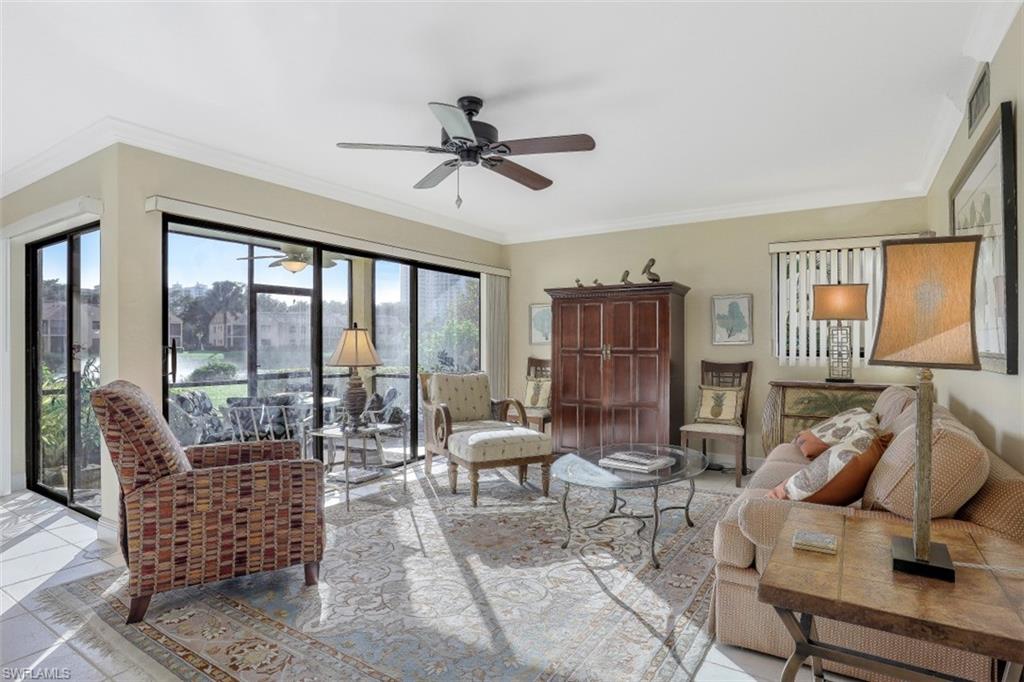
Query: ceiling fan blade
543	145
392	147
434	177
454	121
277	263
521	174
257	257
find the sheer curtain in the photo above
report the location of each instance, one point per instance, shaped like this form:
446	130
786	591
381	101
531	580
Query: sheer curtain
494	298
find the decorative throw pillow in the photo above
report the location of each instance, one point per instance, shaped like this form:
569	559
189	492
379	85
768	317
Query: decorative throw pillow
836	429
809	444
823	481
720	405
538	392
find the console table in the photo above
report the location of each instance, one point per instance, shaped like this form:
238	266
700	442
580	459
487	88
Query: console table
982	612
792	406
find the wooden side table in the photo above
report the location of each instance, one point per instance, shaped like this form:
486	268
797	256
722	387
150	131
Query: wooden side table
982	612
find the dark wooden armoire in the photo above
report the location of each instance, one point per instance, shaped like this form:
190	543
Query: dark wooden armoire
617	364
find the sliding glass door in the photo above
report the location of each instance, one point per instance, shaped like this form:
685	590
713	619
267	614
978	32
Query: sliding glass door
252	321
63	339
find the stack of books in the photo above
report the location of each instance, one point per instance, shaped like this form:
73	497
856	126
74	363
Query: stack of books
630	460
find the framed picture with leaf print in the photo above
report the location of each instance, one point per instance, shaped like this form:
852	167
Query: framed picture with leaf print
983	201
732	322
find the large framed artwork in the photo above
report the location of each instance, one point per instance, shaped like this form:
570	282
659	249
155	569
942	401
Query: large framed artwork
540	323
983	201
732	321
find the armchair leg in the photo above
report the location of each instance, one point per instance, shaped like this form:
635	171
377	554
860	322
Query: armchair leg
137	608
453	476
522	474
474	484
312	572
545	478
741	462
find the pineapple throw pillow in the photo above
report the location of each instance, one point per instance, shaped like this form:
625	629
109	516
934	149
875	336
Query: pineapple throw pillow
720	405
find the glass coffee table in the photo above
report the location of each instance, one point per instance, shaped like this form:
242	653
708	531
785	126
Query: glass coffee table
582	469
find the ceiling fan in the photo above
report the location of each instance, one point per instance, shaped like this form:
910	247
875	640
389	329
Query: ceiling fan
293	258
475	143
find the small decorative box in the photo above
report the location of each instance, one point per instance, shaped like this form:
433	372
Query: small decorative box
813	541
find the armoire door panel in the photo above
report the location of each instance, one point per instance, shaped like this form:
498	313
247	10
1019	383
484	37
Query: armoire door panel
591	377
648	379
568	387
619	427
648	325
648	426
620	325
622	374
591	420
591	326
568	420
568	337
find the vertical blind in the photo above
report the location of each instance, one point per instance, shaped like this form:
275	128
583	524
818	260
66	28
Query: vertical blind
794	273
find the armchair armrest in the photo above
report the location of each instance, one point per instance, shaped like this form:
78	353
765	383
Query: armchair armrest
501	408
441	422
231	453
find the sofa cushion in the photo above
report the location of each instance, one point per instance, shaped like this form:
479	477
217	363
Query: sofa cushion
468	396
890	403
960	465
788	453
493	444
999	505
770	474
835	429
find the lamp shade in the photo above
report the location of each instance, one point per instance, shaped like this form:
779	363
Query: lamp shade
355	349
927	316
840	302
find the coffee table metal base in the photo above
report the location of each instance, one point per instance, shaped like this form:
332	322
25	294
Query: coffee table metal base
616	511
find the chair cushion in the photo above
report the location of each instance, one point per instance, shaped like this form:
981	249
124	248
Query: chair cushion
468	396
960	465
717	429
142	446
720	405
538	392
890	403
493	444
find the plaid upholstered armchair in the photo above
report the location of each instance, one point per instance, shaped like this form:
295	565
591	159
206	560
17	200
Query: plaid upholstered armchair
210	512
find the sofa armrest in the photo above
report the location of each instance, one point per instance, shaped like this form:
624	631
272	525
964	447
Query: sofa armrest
501	409
231	453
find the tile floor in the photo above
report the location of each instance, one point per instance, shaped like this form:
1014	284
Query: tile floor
45	544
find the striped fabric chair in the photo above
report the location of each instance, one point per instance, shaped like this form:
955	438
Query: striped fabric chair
253	506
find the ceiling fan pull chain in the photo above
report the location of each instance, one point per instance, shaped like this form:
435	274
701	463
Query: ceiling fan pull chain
458	186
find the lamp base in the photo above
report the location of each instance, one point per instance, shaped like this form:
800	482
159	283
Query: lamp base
839	380
355	397
939	564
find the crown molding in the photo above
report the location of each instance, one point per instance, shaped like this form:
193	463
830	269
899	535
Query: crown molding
110	130
791	204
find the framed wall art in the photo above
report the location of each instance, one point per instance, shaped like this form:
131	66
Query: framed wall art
983	201
540	323
732	321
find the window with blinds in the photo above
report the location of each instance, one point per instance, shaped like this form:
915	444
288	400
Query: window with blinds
796	267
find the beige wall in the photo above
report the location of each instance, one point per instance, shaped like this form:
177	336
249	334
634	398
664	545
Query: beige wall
719	257
992	404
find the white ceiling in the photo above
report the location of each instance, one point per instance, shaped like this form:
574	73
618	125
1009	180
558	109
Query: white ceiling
699	110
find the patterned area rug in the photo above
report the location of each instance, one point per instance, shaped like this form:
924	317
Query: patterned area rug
420	585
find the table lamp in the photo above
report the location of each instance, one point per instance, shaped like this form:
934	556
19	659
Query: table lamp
840	302
355	349
927	320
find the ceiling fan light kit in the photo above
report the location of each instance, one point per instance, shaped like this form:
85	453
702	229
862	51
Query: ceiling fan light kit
476	143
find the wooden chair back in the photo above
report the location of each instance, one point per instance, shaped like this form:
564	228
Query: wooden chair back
729	375
538	368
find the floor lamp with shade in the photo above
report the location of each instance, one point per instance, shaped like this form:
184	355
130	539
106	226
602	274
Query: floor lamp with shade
926	321
355	349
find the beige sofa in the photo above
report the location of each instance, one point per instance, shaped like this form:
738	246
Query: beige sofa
745	535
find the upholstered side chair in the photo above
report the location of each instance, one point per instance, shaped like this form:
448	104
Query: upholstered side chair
725	375
463	424
209	512
539	417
